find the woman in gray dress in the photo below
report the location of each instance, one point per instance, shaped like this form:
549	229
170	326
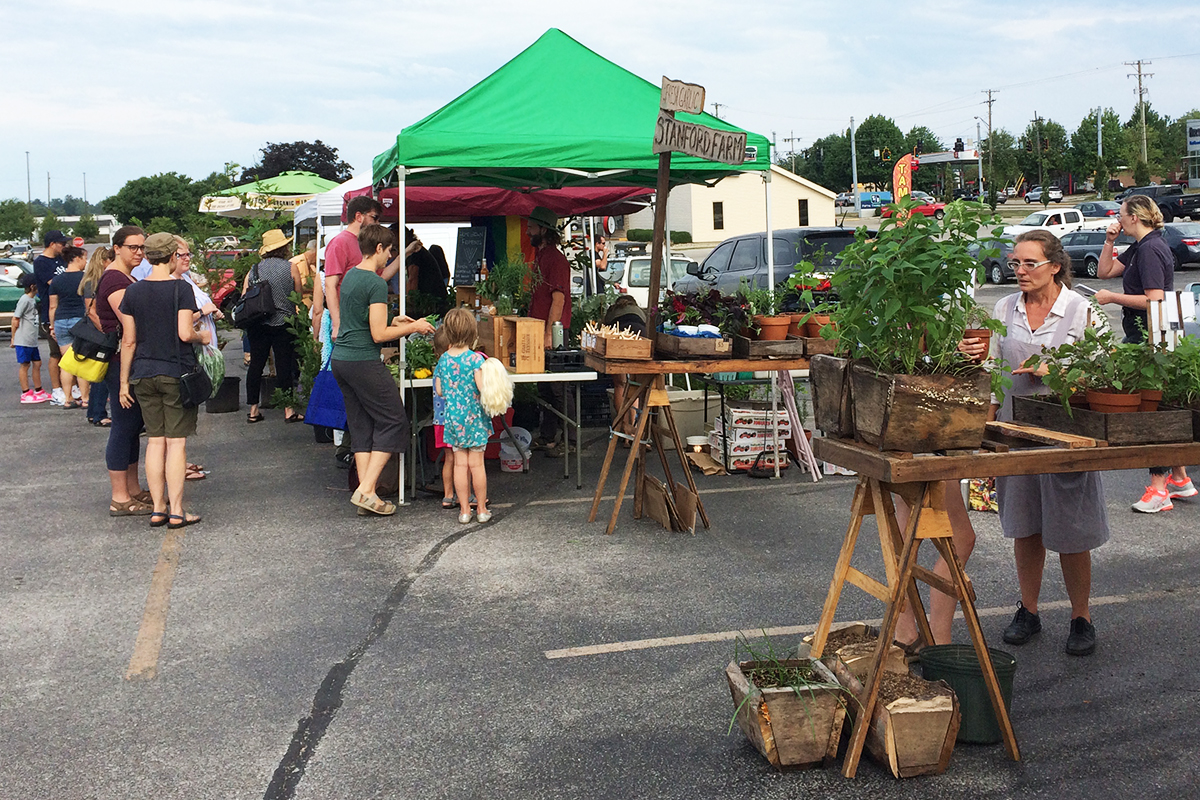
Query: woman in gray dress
1063	512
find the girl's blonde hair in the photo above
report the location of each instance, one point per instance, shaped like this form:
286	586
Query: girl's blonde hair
101	258
460	328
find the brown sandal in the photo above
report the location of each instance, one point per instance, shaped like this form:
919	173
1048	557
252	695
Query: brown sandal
130	508
373	504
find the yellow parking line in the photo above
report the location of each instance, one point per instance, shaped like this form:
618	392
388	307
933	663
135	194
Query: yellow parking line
144	663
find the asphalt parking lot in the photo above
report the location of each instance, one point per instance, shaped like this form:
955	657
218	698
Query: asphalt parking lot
304	651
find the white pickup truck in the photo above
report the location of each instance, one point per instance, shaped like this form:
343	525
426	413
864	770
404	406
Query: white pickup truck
1058	221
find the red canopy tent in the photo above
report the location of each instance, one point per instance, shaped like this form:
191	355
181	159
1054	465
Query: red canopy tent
453	203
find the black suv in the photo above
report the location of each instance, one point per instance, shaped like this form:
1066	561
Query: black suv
743	259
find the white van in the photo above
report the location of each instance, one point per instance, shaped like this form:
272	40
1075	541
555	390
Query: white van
636	280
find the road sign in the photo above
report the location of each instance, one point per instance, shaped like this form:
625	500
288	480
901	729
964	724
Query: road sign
680	96
670	134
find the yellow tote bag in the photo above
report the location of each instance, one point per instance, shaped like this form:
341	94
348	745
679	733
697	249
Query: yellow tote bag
89	369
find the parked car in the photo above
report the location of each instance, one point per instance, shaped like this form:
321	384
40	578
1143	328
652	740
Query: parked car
22	251
1058	222
13	267
743	259
1099	208
10	293
623	249
843	200
1184	240
1171	200
226	290
935	210
995	264
221	243
1034	195
635	280
1084	248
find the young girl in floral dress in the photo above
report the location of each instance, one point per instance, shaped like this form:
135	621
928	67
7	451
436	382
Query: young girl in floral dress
466	426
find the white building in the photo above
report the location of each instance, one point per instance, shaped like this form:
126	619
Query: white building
737	205
106	222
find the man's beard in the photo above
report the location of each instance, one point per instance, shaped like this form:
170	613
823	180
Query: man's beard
536	239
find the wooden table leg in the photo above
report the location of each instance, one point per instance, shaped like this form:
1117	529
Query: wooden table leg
841	570
612	448
946	548
887	632
634	455
889	530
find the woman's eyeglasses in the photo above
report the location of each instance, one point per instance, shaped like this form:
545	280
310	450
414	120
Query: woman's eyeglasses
1028	266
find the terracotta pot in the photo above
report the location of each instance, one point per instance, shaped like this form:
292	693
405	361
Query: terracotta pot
1078	400
808	434
979	333
1150	399
772	329
797	325
1108	402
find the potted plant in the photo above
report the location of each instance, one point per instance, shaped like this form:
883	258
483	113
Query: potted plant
903	302
792	710
980	324
761	304
1182	385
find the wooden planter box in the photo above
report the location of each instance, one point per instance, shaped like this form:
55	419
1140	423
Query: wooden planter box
795	731
755	348
621	349
667	346
919	413
831	395
857	657
911	737
1137	427
816	345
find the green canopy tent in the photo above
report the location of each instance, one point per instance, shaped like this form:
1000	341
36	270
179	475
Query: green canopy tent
556	115
284	192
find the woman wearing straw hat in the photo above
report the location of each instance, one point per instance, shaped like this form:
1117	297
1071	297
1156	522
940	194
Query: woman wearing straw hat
273	335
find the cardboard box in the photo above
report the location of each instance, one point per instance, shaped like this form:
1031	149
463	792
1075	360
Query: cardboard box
760	419
750	433
522	344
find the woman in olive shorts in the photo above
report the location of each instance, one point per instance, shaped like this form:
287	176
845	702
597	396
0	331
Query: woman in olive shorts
374	411
156	350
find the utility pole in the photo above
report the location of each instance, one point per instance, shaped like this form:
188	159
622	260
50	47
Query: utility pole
85	203
717	109
1141	92
991	144
978	161
854	170
1099	150
1037	121
28	185
791	140
47	191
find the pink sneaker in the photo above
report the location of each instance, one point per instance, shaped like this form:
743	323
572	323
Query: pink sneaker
1183	488
43	396
31	396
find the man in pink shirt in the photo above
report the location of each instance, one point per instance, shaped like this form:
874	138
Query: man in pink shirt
342	253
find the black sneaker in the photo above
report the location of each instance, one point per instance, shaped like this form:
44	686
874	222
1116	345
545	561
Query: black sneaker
344	460
1082	641
1024	626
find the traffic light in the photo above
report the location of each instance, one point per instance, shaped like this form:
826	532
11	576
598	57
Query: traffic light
920	148
1045	145
958	146
1028	146
886	155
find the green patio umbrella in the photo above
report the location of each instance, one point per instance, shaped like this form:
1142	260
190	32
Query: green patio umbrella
268	196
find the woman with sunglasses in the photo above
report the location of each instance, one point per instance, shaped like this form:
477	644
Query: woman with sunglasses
1062	512
121	455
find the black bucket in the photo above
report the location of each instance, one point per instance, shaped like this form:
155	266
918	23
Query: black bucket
958	665
227	398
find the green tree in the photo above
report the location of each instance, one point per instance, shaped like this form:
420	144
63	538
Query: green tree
315	157
1001	149
1085	161
877	133
1044	155
49	223
87	227
930	143
827	162
15	220
1141	173
167	195
1156	134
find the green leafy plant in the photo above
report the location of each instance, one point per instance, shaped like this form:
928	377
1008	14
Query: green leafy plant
770	673
727	312
509	284
1182	383
904	295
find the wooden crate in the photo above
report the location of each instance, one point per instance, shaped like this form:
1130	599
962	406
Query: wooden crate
796	731
522	345
816	345
858	657
753	348
686	347
490	330
831	395
1149	427
623	349
911	737
919	413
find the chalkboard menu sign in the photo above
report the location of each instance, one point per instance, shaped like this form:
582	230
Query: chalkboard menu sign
469	257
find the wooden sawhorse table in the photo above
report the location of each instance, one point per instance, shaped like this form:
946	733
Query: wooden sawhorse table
651	398
919	480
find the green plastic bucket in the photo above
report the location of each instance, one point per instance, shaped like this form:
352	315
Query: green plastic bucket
957	665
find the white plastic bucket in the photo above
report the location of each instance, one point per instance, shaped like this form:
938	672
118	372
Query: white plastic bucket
510	456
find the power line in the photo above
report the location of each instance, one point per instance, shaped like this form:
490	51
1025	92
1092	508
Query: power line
1141	93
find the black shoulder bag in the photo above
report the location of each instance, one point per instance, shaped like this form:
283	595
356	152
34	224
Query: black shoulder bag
255	306
91	342
195	386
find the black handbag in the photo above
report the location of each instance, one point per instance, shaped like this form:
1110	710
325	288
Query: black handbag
256	305
194	387
91	342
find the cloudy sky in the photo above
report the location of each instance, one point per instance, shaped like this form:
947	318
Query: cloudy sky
129	88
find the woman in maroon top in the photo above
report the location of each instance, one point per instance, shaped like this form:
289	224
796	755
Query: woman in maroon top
121	455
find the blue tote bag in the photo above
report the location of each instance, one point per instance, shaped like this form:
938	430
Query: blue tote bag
326	408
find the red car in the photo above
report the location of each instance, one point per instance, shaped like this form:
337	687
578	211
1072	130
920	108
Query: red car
935	210
225	291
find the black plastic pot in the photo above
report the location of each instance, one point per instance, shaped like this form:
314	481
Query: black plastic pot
227	399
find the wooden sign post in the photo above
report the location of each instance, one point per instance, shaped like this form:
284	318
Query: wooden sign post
700	141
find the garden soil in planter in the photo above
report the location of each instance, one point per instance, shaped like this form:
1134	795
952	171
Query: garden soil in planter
919	413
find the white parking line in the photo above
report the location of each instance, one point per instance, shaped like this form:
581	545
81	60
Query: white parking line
798	630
